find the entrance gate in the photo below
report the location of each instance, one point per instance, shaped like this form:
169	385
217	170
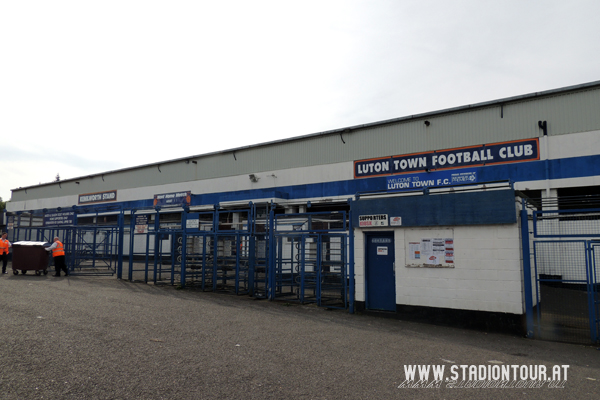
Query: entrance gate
219	262
567	275
302	257
225	251
310	255
94	251
88	250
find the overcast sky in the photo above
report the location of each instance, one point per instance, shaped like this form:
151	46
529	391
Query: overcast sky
93	86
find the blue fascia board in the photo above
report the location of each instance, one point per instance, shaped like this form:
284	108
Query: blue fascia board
471	208
575	167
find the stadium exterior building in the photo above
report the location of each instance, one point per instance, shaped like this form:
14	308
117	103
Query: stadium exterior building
485	214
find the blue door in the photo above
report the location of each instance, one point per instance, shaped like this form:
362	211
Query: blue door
380	279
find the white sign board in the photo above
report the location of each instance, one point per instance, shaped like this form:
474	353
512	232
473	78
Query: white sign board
396	221
382	250
192	223
369	221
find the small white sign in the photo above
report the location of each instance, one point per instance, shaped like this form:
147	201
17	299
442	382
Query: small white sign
366	221
396	221
192	223
382	250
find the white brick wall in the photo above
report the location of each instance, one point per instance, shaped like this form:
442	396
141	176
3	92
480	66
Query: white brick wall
486	274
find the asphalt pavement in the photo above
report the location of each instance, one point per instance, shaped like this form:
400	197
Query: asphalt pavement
81	337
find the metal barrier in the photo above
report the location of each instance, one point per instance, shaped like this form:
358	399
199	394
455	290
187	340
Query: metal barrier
93	251
88	250
594	288
221	262
223	252
311	268
311	262
566	275
158	262
300	257
297	257
200	261
155	248
140	252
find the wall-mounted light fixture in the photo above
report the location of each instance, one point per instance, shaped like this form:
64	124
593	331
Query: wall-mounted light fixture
253	178
427	123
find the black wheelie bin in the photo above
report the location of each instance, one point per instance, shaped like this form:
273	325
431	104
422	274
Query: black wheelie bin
30	256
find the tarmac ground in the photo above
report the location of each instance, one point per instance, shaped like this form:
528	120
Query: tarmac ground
86	337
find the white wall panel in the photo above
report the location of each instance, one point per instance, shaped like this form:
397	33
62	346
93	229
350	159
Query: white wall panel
486	274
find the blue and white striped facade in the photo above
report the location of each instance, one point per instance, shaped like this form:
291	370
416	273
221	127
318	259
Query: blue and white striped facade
321	170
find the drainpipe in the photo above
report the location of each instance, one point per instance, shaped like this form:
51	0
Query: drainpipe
544	127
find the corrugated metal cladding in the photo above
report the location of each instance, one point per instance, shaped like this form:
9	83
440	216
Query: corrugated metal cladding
565	112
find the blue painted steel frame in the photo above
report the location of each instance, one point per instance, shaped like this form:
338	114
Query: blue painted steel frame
121	227
317	280
216	234
157	244
593	297
75	245
270	284
351	285
182	276
237	234
527	283
80	247
132	235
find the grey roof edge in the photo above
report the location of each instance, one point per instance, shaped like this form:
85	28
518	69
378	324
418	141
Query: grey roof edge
502	101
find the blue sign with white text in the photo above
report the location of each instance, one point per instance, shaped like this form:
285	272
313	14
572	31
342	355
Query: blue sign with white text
473	156
59	218
430	179
177	199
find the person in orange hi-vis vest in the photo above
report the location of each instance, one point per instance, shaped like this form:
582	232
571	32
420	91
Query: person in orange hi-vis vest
58	253
4	246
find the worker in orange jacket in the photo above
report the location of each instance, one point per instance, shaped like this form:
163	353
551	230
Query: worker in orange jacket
4	246
58	253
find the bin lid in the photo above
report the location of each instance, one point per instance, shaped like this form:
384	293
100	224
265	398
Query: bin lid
26	243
